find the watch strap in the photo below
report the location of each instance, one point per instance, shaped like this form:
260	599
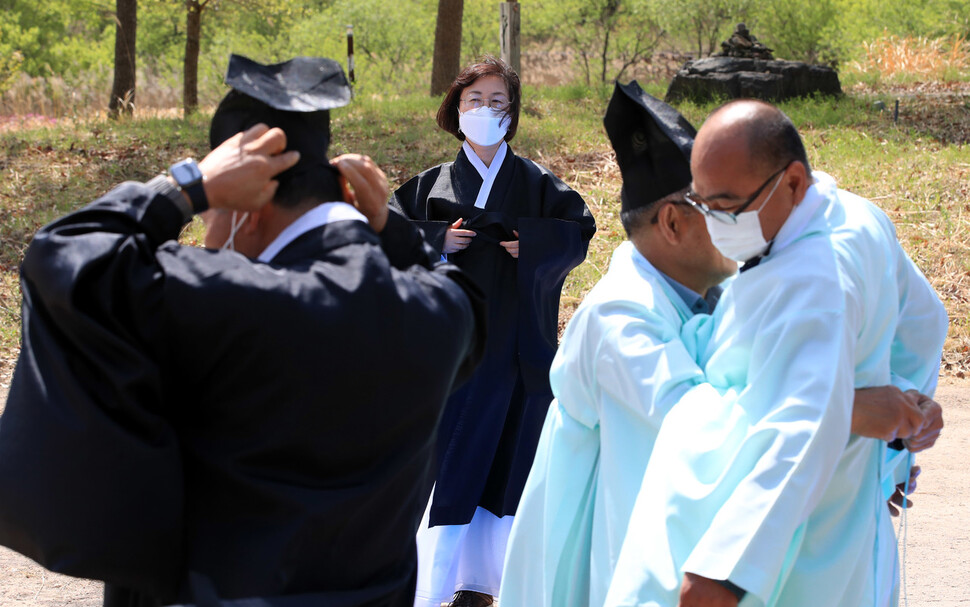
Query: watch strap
164	186
196	193
191	184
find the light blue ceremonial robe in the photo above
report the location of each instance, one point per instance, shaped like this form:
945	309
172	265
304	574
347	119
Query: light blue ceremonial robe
754	477
900	325
620	366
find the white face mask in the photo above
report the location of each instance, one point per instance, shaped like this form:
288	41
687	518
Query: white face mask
744	240
230	245
484	125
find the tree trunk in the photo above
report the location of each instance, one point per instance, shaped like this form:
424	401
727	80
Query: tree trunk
510	35
447	45
585	59
605	54
123	88
190	66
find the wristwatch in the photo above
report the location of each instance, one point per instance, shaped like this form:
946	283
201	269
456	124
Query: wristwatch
189	178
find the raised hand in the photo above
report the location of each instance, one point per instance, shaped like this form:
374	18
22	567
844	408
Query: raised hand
239	173
369	189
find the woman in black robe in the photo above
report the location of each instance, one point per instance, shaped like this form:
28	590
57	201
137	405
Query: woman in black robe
476	211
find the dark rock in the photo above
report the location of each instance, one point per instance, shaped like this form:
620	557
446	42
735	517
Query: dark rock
742	43
733	78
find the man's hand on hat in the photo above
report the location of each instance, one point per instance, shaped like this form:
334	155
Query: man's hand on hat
239	173
368	189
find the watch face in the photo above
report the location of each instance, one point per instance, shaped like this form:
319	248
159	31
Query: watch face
186	173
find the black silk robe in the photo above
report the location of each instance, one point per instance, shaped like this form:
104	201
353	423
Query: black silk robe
491	426
188	424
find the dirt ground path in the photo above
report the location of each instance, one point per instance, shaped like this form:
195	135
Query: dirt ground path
937	564
938	538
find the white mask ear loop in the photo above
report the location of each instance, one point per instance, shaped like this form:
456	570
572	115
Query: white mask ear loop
771	193
905	528
230	244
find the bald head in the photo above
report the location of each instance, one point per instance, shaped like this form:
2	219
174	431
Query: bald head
741	148
768	136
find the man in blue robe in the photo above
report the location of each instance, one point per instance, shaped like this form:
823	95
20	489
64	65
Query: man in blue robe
756	490
620	365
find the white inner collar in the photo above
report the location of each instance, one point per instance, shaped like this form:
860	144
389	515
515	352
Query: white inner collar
487	173
319	215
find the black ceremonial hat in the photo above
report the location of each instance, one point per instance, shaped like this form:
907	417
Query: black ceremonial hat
296	96
652	142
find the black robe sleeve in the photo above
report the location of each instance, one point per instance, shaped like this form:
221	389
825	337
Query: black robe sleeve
550	247
90	468
109	423
411	199
404	243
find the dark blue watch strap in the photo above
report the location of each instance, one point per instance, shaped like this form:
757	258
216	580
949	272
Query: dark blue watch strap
190	180
196	193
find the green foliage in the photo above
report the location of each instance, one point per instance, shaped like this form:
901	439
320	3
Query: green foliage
801	31
73	39
820	31
702	24
161	32
842	26
479	30
387	37
10	62
607	36
58	36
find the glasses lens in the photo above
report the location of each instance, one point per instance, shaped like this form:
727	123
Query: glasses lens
723	216
692	199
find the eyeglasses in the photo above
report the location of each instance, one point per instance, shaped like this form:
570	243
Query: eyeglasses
731	217
656	216
496	103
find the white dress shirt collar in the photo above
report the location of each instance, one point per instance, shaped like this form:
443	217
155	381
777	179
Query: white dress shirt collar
317	216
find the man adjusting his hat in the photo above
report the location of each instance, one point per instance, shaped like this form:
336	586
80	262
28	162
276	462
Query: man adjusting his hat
197	425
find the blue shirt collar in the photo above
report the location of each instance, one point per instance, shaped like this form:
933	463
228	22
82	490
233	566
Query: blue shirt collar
695	302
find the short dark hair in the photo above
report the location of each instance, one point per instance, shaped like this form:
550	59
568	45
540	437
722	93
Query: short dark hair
313	184
635	219
774	138
486	66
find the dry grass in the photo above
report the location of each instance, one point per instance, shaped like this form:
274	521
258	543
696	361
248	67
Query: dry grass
918	170
924	186
81	97
909	59
596	175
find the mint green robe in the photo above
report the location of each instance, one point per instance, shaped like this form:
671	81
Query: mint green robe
754	477
619	368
